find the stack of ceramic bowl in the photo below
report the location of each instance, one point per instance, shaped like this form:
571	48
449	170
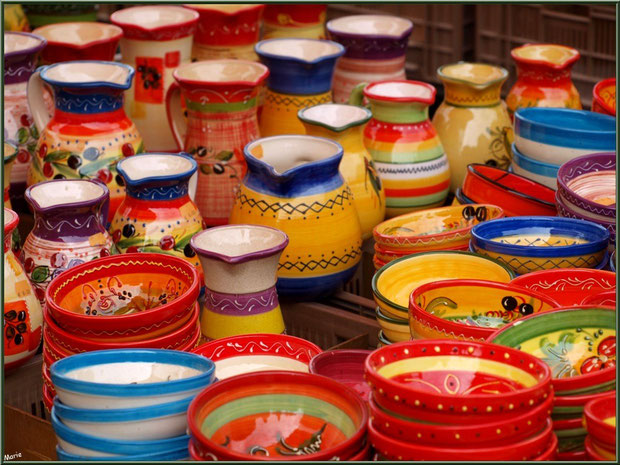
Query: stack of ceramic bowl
536	243
129	301
458	401
600	421
278	415
546	138
393	283
587	190
579	345
127	405
445	228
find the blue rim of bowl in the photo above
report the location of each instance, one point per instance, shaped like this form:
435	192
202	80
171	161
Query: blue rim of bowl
275	56
172	455
61	368
150	179
91	84
596	235
533	166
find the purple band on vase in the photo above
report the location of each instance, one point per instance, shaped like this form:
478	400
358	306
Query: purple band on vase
241	304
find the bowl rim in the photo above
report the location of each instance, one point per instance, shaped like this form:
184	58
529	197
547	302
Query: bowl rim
118	34
334	355
593	418
537	164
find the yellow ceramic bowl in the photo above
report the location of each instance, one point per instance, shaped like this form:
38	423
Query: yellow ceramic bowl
383	341
393	283
394	329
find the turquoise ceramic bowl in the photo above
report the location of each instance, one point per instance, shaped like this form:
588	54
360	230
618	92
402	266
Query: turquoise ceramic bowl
543	173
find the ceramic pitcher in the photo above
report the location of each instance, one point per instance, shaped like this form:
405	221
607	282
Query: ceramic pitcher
21	52
157	39
293	184
69	228
300	76
345	125
157	214
22	312
404	145
472	122
220	98
375	50
9	155
240	264
306	21
543	77
89	131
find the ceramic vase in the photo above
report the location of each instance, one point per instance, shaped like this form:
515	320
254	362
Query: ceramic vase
157	40
293	184
9	154
220	98
21	52
157	214
300	76
89	131
472	121
226	31
22	312
404	145
240	264
543	77
375	50
304	21
604	97
345	125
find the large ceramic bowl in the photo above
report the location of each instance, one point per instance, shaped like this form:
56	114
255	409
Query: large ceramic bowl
174	455
604	97
536	243
394	329
470	309
600	419
249	353
539	171
579	344
278	416
345	366
393	283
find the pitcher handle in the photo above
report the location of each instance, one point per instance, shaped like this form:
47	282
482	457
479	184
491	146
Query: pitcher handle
36	100
357	95
174	111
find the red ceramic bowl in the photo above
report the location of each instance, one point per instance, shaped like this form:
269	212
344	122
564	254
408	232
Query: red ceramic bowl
55	351
606	299
47	380
160	290
551	452
193	453
48	399
604	97
193	342
596	412
345	366
516	195
597	453
450	381
48	359
273	414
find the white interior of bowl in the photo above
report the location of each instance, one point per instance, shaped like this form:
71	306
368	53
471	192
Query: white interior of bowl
154	16
78	33
84	72
61	192
597	186
401	89
9	216
234	241
141	167
303	49
370	25
232	366
286	152
334	114
555	54
222	71
132	373
18	42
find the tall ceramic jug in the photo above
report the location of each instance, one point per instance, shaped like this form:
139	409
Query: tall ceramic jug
69	228
543	77
221	99
21	52
345	125
300	76
240	264
293	184
472	121
376	46
89	131
404	145
303	21
157	40
9	155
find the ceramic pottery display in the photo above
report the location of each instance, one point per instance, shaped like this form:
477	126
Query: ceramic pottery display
300	76
157	213
604	97
220	99
79	41
293	184
305	21
345	366
22	312
226	31
21	51
600	421
240	263
9	153
89	131
157	39
404	145
543	77
375	50
472	122
345	125
69	229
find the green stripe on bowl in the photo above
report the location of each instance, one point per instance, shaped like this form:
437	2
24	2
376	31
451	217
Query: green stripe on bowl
571	433
406	157
609	386
416	201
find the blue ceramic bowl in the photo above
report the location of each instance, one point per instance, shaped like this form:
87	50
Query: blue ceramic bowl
173	455
543	173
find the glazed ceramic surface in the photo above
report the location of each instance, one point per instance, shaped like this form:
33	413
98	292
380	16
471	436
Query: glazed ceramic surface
345	366
15	19
173	455
89	131
600	418
597	453
69	229
240	263
393	329
21	308
472	122
9	153
294	21
156	41
543	173
604	97
565	211
345	125
375	50
293	184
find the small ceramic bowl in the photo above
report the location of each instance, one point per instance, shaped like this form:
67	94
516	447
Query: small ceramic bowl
345	366
595	453
541	172
272	415
251	353
470	309
579	344
174	455
604	97
600	419
393	329
114	379
536	243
